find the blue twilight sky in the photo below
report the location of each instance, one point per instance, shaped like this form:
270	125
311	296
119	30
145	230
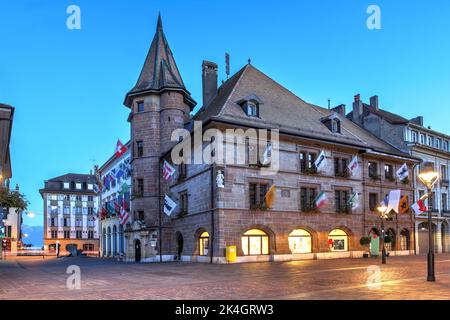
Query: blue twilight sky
68	86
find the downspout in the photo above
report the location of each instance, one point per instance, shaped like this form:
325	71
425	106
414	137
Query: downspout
212	215
413	220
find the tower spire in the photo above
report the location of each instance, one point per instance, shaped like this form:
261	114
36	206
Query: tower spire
159	25
160	71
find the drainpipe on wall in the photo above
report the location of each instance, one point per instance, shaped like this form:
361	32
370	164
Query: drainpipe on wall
413	220
212	214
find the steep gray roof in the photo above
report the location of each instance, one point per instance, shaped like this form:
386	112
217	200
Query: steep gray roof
281	109
160	71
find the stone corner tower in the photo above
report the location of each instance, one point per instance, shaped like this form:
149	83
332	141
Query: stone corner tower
159	103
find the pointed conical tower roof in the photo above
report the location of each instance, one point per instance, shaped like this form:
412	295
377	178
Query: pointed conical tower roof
160	71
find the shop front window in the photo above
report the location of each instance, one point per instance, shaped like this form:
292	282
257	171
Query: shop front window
338	240
300	241
255	242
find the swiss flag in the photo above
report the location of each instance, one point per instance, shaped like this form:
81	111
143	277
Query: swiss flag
120	149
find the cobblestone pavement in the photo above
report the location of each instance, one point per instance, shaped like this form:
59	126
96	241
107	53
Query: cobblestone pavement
402	278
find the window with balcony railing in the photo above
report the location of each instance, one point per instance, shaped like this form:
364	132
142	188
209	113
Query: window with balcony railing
341	201
307	160
341	167
307	199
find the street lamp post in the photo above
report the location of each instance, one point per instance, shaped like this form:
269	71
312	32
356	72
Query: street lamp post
382	210
383	249
429	177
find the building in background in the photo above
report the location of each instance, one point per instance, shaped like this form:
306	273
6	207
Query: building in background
203	210
421	142
71	213
7	231
6	121
115	178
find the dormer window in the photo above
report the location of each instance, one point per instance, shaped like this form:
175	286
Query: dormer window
333	124
250	105
252	109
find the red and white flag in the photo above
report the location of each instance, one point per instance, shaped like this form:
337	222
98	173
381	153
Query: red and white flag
120	149
168	170
123	216
419	207
354	165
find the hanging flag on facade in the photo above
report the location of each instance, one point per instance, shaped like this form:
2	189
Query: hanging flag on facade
124	215
385	202
169	205
320	200
119	173
321	161
168	170
267	156
120	149
419	207
394	201
403	172
354	165
353	202
117	208
270	196
404	204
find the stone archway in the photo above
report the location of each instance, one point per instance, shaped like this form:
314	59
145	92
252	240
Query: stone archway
137	250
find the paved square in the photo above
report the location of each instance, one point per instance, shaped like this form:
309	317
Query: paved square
402	278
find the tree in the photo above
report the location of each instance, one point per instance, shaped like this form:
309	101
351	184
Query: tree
12	199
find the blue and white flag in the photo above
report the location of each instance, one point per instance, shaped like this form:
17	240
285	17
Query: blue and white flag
403	172
169	205
321	161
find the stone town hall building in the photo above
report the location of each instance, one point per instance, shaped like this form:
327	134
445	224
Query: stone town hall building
208	219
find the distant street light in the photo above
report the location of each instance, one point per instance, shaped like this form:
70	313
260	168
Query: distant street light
428	176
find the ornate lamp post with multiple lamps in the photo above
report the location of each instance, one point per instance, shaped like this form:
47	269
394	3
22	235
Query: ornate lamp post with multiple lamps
428	176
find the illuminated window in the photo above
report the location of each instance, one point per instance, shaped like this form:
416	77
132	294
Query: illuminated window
255	242
338	240
300	241
78	186
204	244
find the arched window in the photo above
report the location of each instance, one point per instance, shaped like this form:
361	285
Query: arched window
114	241
300	241
338	240
204	244
404	240
390	246
109	241
121	239
255	242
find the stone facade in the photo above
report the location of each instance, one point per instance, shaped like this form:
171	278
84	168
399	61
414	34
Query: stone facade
423	143
209	219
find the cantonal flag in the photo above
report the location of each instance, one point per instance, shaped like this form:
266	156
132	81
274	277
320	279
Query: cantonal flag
168	170
120	149
321	200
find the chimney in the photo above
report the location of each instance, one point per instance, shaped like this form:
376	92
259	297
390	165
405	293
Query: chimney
340	109
209	81
357	109
418	120
374	103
